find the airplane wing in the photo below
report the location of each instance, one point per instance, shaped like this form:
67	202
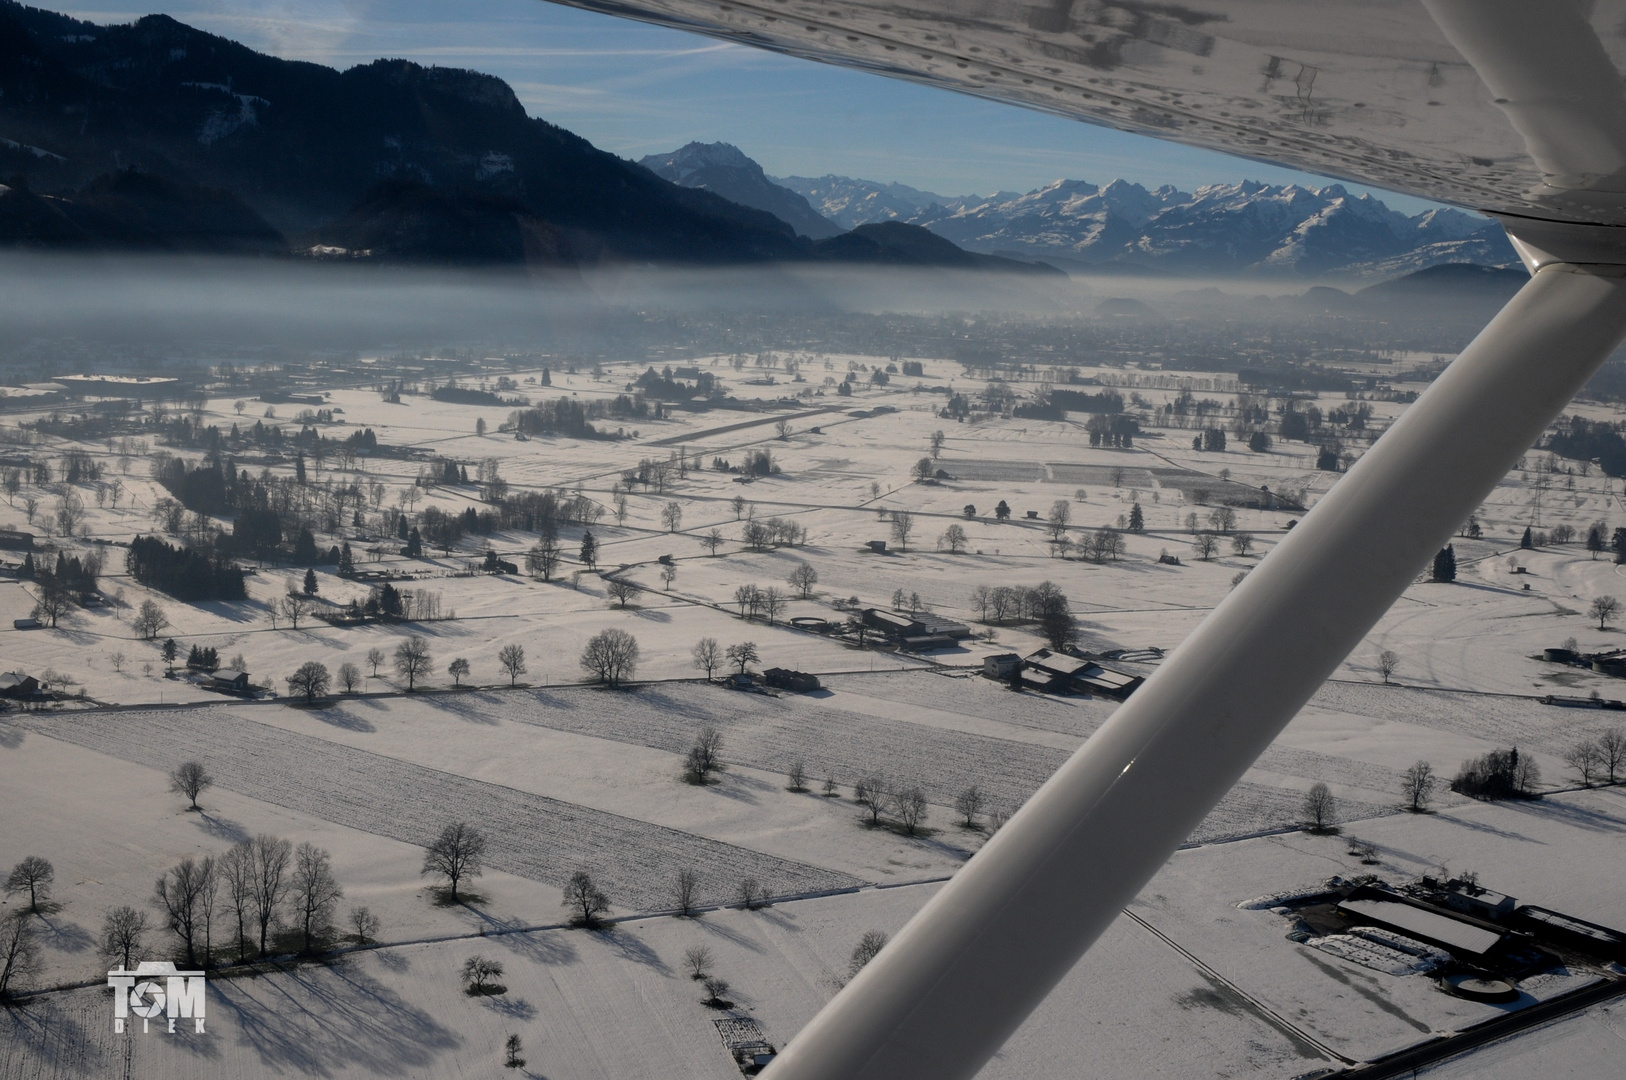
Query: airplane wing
1514	107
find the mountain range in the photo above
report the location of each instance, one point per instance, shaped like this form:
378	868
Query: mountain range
1248	228
154	136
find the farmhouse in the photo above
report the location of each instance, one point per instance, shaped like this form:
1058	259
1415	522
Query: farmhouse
17	686
229	681
1000	665
918	631
785	679
14	540
1063	673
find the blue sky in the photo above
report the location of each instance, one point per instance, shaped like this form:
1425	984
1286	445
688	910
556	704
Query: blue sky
635	89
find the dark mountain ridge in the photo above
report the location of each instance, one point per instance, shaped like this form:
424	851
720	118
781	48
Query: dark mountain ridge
302	145
157	136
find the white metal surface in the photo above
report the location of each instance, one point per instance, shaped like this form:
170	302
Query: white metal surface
965	972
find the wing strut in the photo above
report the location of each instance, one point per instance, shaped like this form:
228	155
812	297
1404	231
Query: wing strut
962	976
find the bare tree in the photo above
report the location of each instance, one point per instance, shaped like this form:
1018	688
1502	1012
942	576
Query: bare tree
70	514
349	677
773	602
684	887
903	523
868	948
1205	544
1603	609
1242	542
1586	760
954	539
704	756
621	591
909	804
717	992
982	600
803	578
364	924
480	976
457	853
191	779
315	893
697	962
1612	745
34	876
1320	808
743	654
585	900
235	868
543	558
123	931
937	439
270	855
750	893
458	669
610	656
672	516
968	804
1061	512
412	660
375	656
19	953
712	540
310	680
870	793
150	621
797	776
179	897
1388	663
1417	784
54	599
293	607
511	658
707	655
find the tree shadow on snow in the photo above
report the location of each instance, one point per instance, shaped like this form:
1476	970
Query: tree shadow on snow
221	828
342	717
11	736
475	706
322	1021
541	946
631	947
66	936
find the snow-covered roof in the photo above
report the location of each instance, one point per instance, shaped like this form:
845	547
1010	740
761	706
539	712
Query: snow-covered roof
1429	925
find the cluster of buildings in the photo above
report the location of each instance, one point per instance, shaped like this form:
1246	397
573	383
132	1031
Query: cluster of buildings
1060	673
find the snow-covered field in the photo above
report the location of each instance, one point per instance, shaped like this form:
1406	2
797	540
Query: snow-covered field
565	777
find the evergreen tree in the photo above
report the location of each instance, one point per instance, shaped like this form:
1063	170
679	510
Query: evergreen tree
26	572
401	527
305	548
299	468
347	561
589	552
1445	565
414	544
1137	520
310	583
1526	542
171	650
547	379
